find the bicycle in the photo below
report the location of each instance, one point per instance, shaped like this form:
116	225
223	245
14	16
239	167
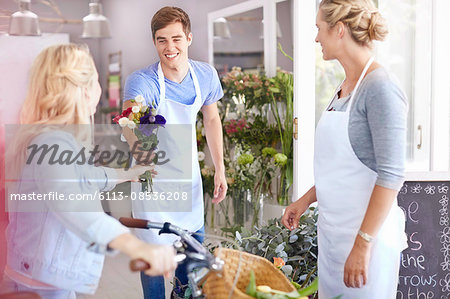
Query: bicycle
221	278
200	262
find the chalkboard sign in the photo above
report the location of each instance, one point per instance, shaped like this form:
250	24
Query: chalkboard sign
425	264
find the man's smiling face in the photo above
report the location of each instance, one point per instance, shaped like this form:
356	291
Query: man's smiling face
172	45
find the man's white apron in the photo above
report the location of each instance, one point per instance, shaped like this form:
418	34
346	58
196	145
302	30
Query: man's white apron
343	188
175	113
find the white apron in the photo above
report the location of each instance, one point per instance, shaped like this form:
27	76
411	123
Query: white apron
343	188
175	113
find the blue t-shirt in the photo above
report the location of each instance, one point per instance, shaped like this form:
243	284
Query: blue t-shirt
145	82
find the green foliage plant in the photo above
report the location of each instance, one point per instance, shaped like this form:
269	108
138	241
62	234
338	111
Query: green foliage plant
298	248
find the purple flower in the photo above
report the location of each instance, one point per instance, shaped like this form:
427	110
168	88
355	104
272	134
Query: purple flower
148	123
160	120
150	119
145	119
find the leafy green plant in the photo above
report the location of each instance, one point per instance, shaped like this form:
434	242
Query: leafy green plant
251	129
298	248
283	89
254	134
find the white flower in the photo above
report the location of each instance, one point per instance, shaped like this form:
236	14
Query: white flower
131	124
430	189
144	108
443	189
135	109
139	99
241	98
445	283
445	235
404	189
153	111
416	188
123	122
201	156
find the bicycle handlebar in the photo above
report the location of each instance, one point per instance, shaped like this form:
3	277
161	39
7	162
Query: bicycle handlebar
166	228
192	250
135	223
141	265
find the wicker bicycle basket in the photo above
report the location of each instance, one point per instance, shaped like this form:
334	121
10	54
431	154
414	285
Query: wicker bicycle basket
221	286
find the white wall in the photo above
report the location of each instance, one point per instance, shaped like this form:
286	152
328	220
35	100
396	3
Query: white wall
17	54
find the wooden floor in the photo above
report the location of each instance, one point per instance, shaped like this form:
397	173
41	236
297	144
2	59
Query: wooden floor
118	282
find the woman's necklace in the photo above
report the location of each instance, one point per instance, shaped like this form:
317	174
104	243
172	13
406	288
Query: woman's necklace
346	88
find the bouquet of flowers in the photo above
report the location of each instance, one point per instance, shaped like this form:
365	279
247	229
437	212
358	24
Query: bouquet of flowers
144	121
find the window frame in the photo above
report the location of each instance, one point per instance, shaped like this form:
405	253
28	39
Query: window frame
430	103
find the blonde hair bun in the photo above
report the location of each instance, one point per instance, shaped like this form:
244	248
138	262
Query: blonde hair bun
362	18
377	27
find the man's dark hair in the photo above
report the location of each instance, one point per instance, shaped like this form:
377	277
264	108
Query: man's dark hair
169	15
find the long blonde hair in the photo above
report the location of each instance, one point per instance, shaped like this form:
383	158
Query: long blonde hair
60	79
362	18
56	92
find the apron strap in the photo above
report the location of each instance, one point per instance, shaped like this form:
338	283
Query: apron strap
361	77
162	85
368	64
198	93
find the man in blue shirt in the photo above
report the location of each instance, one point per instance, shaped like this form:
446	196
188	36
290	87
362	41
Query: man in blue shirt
179	87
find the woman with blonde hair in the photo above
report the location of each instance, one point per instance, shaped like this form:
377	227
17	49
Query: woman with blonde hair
57	247
359	161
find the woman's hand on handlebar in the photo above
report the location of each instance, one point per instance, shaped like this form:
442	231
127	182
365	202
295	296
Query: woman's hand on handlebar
161	258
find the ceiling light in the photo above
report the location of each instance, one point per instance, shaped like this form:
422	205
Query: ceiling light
95	25
221	28
24	22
